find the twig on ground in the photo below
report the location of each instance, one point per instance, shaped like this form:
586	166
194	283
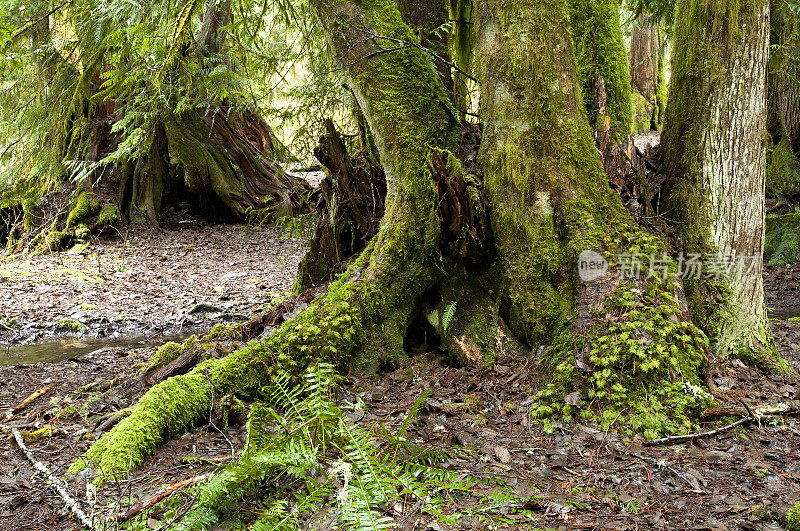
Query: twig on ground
56	483
674	439
149	502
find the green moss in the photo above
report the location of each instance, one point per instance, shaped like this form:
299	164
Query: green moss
82	232
71	324
109	215
793	518
169	352
640	368
662	92
783	171
85	205
600	50
782	240
642	111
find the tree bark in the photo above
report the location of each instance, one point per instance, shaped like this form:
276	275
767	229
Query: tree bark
784	74
644	57
425	17
715	156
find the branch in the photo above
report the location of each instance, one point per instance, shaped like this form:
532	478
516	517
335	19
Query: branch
56	483
167	491
673	439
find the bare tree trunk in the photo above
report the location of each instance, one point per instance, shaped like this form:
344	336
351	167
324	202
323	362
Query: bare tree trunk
645	49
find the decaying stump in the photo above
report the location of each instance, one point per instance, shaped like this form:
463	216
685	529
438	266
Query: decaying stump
350	204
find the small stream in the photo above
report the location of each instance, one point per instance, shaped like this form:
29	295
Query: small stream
69	348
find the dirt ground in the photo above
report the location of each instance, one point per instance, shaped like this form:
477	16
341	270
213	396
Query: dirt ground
581	477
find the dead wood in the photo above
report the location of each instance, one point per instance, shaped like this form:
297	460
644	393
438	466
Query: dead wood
149	502
30	399
349	203
56	483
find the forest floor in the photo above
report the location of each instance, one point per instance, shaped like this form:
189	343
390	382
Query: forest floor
578	477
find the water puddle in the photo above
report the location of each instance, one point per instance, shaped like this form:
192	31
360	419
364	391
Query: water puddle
55	351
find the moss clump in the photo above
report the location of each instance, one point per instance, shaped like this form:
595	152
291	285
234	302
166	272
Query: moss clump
224	332
783	171
643	364
793	518
82	232
109	215
71	324
169	352
85	205
638	365
782	240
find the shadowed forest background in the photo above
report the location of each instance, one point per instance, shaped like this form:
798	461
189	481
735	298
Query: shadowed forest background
416	264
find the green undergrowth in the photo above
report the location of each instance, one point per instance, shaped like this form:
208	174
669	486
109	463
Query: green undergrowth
305	462
783	170
639	365
782	239
793	518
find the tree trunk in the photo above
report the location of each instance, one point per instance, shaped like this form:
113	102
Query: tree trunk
784	73
602	63
426	18
715	156
645	49
646	67
783	170
462	42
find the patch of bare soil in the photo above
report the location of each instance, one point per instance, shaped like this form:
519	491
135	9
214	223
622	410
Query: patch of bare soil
152	282
578	477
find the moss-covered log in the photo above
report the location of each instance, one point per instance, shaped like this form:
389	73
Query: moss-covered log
716	159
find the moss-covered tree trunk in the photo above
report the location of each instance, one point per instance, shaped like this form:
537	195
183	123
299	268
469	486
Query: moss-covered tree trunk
602	60
783	170
462	44
646	67
715	155
427	19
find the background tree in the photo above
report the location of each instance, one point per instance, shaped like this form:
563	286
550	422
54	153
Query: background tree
647	72
602	60
716	159
145	102
783	172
